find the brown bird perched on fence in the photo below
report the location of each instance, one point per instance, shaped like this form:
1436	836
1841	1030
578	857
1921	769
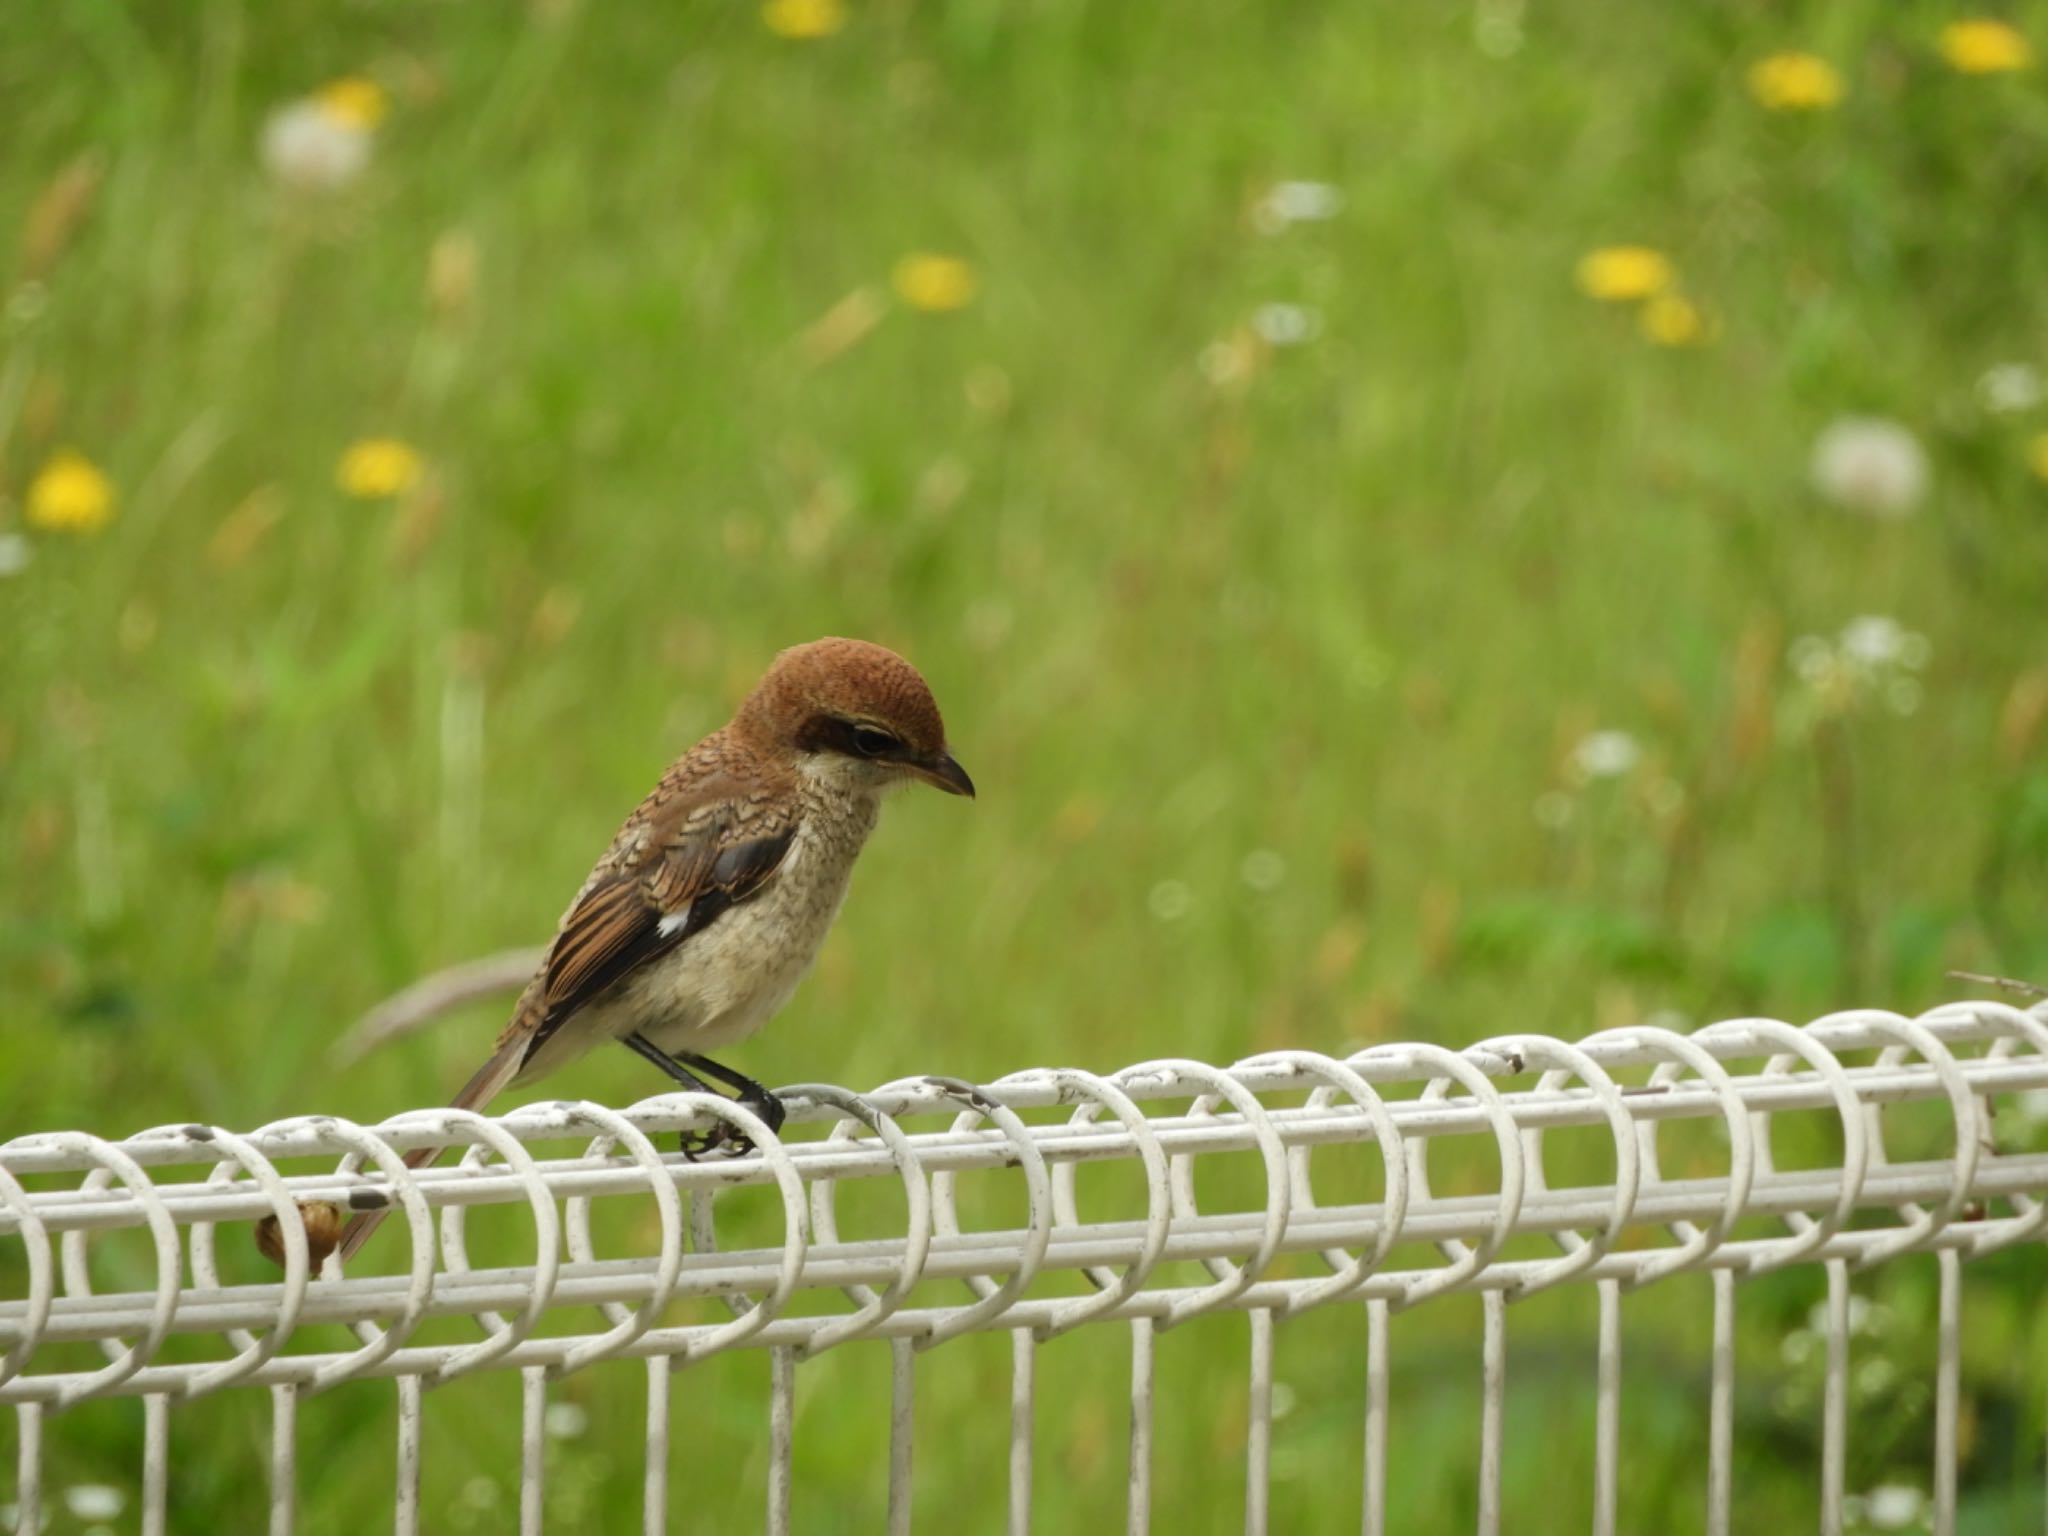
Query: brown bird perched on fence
698	922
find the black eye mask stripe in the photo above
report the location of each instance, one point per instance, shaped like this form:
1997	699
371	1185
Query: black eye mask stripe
829	733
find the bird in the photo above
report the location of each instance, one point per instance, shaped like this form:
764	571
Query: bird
698	922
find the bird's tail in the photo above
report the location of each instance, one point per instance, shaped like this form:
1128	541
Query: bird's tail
488	1082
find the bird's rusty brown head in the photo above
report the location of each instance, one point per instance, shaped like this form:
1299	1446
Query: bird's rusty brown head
858	707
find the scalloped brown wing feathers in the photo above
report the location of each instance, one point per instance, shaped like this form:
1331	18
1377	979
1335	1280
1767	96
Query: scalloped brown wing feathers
683	859
703	842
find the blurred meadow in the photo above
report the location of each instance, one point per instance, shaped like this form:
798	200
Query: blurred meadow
1426	521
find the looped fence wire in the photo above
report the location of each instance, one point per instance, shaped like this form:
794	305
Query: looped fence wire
1262	1241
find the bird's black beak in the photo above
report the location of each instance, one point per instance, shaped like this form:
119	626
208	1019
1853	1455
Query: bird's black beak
942	772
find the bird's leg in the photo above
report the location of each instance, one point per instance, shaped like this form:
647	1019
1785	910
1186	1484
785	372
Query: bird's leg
692	1147
749	1092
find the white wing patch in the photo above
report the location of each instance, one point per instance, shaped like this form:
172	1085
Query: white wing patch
674	920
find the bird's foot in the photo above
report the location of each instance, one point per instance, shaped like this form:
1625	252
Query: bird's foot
696	1144
730	1139
767	1108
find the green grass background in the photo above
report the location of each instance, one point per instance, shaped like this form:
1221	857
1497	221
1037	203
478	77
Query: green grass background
1354	606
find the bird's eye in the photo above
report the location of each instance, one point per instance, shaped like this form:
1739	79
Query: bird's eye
870	742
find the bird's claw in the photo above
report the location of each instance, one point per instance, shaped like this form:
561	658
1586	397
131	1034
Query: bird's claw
728	1139
720	1138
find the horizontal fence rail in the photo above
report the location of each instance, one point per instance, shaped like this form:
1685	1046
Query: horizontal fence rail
188	1190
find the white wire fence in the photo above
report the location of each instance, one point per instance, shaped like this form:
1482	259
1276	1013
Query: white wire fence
1568	1135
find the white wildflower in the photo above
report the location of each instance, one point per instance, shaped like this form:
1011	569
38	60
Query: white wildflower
310	148
14	554
1606	755
1286	325
1263	869
1894	1506
1874	640
1870	466
1296	202
95	1501
2009	388
566	1421
1874	657
1170	901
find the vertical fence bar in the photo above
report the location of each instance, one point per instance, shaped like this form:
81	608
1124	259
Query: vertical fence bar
654	1497
1023	1398
1258	1460
1375	1519
405	1514
1834	1432
902	1427
1138	1505
156	1463
1607	1413
1947	1391
1721	1409
284	1463
533	1412
781	1437
1493	1388
28	1486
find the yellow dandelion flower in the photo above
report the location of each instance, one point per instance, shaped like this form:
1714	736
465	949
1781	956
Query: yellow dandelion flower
1621	273
70	493
1795	82
1672	320
353	101
2037	454
1984	47
934	283
804	18
378	466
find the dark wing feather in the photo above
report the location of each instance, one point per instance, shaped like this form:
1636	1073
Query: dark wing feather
708	855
